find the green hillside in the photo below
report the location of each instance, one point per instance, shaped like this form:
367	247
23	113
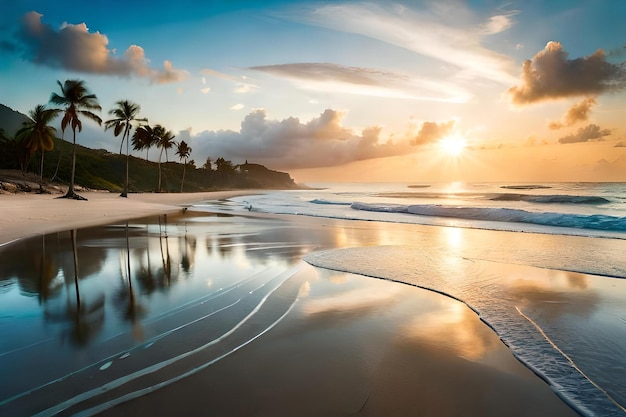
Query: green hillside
103	170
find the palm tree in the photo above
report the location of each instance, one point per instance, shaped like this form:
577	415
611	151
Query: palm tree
145	137
76	101
37	134
125	115
183	151
165	142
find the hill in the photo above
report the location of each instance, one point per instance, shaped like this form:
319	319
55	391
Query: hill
11	120
99	169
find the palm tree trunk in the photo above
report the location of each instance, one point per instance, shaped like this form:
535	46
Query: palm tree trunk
183	181
56	171
126	134
70	191
41	172
159	188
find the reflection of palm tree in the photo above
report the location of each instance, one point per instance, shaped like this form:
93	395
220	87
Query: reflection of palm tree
86	319
189	245
165	256
37	134
183	151
132	310
77	101
75	257
125	115
47	272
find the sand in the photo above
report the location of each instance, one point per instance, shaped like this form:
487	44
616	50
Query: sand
25	215
304	367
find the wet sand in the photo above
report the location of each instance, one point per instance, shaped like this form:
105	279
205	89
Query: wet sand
350	345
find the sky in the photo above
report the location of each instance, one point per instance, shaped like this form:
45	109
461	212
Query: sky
406	91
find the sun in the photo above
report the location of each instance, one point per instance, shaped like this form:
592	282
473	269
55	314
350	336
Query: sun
452	145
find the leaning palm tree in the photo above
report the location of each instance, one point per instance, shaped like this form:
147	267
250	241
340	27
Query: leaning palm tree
125	115
37	134
145	137
165	142
76	101
183	151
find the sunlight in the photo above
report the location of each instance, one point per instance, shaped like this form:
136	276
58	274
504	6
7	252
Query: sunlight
453	145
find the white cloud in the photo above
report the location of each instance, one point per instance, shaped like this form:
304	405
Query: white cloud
205	90
497	24
291	143
422	33
238	106
74	48
365	81
243	88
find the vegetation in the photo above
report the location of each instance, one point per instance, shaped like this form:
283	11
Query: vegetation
125	115
76	101
38	135
165	141
183	151
99	169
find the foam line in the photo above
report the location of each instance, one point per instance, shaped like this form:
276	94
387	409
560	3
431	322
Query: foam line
571	362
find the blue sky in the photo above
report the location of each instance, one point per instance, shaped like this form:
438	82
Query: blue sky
387	91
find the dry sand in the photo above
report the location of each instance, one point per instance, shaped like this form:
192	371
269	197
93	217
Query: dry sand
25	215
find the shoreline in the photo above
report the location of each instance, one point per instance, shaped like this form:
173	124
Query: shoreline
26	215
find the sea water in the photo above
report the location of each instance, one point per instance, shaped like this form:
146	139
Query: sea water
560	304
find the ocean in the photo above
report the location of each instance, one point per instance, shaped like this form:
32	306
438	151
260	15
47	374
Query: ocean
542	265
551	284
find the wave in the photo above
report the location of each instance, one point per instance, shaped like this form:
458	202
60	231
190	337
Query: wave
530	198
578	221
552	199
525	187
335	203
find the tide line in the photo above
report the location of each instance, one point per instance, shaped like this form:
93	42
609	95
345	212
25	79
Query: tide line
571	362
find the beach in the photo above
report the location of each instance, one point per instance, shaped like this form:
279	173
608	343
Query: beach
25	215
310	340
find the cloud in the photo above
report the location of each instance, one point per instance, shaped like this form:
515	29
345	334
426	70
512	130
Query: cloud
497	24
74	48
424	32
244	88
217	74
205	90
237	106
579	112
364	81
432	132
551	75
291	143
588	133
